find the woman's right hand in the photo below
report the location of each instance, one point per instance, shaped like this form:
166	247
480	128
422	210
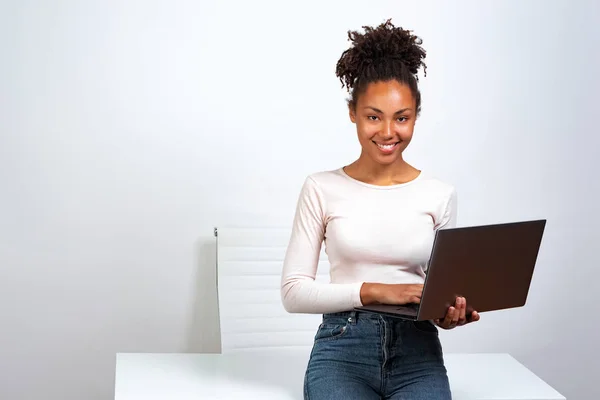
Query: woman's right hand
397	294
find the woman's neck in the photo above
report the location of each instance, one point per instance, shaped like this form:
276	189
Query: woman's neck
366	170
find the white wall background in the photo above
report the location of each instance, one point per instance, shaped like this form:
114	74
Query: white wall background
129	129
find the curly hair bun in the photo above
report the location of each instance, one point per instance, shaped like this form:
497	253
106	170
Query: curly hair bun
378	49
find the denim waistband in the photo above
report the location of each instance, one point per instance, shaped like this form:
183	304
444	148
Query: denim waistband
354	314
341	314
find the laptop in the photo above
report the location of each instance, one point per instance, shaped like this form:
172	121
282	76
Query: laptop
490	265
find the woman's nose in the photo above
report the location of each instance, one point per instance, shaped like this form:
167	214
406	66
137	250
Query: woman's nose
388	130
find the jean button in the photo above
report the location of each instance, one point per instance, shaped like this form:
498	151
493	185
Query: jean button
350	319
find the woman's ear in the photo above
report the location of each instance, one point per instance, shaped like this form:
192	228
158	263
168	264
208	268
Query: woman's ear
352	113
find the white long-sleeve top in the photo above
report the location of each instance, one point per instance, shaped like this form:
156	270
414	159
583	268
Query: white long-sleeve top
371	233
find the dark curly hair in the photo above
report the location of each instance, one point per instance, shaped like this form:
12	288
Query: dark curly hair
381	54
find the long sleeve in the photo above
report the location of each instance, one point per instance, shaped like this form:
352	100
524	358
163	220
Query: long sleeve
449	217
300	292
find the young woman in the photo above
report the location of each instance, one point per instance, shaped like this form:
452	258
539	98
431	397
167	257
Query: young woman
377	218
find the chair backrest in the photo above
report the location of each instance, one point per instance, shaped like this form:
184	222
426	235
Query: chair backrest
251	315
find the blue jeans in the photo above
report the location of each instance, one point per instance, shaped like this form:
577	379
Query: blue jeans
366	356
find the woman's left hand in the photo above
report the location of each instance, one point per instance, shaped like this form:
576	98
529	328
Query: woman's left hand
457	315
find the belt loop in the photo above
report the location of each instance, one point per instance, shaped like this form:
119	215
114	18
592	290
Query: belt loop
352	317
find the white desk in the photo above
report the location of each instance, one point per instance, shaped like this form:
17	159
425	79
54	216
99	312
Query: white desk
279	375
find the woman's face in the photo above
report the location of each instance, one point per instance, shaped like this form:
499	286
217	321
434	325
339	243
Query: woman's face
385	117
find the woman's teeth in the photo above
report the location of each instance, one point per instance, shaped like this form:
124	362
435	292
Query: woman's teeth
386	146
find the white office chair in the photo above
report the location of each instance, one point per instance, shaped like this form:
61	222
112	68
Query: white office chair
251	315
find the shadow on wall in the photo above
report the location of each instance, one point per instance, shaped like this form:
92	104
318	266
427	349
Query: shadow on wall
204	335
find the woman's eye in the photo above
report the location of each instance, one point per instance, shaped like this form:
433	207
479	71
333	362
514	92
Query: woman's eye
402	119
372	117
